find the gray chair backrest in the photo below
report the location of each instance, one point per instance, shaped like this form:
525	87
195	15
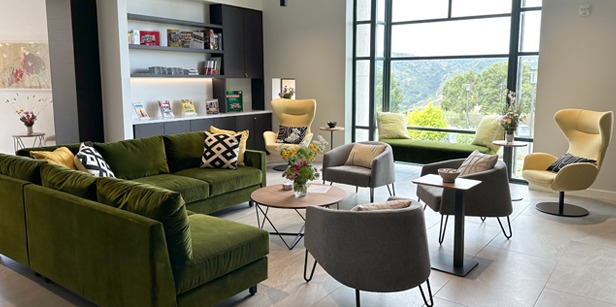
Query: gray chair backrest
381	251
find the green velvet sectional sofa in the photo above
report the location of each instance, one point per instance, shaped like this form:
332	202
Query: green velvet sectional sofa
140	239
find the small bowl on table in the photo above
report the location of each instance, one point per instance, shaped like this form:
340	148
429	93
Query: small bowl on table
332	124
449	175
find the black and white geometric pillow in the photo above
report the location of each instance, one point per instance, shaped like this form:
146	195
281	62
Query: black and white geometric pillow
90	160
220	150
291	135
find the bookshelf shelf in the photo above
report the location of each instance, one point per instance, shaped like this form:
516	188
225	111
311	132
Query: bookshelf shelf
138	17
149	75
174	49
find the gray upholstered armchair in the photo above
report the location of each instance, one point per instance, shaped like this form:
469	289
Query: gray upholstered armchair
380	173
381	251
491	198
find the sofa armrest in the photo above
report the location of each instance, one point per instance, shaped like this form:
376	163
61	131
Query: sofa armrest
256	159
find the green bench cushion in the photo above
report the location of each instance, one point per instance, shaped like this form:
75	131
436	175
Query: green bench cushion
184	150
136	158
156	203
423	151
74	182
23	168
219	247
190	189
222	181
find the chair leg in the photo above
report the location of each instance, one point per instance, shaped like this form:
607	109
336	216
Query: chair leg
483	218
306	278
560	208
429	294
392	192
252	290
356	189
357	298
371	195
503	228
442	228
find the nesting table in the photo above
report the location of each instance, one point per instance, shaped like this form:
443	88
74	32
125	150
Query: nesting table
458	266
331	133
508	155
274	196
18	142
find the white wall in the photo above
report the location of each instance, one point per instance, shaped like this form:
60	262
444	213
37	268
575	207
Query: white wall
23	21
577	69
306	40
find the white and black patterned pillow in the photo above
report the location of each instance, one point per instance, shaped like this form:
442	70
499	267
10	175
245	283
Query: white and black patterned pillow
291	135
220	150
90	160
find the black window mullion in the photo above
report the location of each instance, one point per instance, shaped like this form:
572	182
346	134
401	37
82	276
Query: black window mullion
387	56
514	46
353	73
372	73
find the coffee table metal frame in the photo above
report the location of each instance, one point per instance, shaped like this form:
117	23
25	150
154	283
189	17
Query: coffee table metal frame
284	199
459	266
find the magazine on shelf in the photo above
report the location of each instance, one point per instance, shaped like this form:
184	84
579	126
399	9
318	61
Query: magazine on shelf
234	101
165	109
140	109
211	106
188	107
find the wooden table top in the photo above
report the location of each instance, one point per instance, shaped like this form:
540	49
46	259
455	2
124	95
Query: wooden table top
275	196
437	181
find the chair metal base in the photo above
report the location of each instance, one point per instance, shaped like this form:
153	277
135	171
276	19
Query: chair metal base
567	210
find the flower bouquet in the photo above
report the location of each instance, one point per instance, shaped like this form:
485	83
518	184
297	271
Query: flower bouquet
512	115
27	109
287	92
299	169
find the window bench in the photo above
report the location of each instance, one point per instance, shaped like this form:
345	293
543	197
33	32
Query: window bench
423	151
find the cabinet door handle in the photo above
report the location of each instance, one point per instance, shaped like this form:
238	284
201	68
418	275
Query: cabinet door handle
246	74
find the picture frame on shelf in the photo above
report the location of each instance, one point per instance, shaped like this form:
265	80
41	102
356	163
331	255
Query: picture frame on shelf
211	106
140	109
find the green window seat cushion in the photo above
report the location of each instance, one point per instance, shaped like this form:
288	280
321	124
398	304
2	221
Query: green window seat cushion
136	158
190	189
23	168
222	181
156	203
219	247
422	151
74	182
184	150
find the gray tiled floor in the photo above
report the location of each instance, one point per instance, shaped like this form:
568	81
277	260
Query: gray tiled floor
549	261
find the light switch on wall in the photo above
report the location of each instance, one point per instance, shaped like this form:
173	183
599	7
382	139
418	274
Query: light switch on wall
584	10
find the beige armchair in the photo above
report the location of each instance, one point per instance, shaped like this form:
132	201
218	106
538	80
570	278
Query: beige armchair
589	134
492	198
291	113
381	251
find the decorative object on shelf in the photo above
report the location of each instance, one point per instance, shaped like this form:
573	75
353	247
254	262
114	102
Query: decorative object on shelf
449	175
511	117
174	38
332	124
165	109
140	109
299	169
287	92
235	101
211	106
151	38
188	107
27	109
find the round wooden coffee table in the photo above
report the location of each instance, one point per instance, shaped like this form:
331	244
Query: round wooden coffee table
274	196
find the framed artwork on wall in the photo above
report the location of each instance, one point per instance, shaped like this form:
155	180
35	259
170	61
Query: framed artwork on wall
24	65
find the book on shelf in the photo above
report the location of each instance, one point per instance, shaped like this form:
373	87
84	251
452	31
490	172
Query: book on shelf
188	107
211	106
174	38
234	101
165	109
196	40
151	38
212	66
140	109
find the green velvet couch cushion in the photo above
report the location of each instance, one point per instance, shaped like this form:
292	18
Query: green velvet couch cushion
219	247
74	148
423	151
23	168
184	150
190	189
74	182
156	203
136	158
224	180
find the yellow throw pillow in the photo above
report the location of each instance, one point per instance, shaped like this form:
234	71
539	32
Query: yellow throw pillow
363	155
243	140
61	156
391	125
488	131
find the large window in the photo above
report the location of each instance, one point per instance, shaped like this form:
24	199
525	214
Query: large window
446	64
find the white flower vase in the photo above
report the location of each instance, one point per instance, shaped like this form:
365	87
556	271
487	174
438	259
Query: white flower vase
30	130
509	137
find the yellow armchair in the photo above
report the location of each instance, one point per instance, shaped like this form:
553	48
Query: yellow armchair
589	134
291	113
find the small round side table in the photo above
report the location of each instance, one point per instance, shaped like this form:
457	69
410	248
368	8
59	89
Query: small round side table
18	142
331	134
507	156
